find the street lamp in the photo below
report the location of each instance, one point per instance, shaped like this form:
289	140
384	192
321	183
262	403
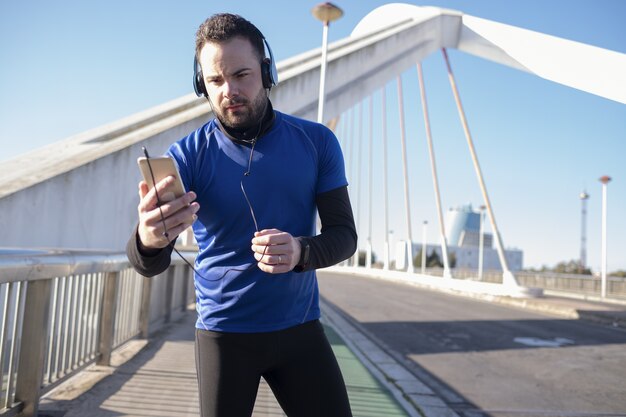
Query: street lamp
326	12
604	180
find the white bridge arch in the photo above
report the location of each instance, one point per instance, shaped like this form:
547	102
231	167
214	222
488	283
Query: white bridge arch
57	196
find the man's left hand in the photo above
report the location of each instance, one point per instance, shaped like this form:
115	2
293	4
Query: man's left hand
276	251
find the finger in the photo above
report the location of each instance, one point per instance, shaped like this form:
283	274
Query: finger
266	232
266	235
152	237
150	199
159	237
167	196
166	214
261	255
175	231
162	190
285	251
269	249
170	207
273	269
184	217
143	189
271	237
271	259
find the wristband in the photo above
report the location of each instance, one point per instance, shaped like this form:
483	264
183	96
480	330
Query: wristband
305	252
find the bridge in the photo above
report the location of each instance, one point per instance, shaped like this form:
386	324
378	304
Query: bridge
73	310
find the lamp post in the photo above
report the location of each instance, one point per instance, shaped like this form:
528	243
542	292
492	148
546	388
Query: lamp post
392	250
424	229
481	243
604	180
326	12
583	231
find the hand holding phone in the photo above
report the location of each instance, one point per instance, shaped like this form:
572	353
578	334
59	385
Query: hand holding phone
160	225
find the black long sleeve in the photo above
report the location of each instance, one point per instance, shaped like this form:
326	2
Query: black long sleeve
147	264
338	238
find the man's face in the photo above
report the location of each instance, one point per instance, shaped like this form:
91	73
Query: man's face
232	76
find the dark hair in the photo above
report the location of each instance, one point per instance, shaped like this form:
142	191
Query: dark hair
223	27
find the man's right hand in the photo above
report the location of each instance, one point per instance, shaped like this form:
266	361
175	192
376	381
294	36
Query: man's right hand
179	214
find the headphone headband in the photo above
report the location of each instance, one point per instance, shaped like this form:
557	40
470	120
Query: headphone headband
269	73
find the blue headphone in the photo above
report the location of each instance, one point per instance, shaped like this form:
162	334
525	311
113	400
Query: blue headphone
269	74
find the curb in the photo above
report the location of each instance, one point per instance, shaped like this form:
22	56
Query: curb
615	319
412	394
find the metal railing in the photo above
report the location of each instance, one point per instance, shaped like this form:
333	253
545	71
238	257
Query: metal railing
572	283
584	285
61	311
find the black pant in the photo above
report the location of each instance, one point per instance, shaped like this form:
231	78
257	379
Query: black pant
297	363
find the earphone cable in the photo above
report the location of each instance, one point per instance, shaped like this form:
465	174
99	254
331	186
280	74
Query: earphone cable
243	190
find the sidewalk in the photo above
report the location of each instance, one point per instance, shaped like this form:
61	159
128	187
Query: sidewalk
159	378
160	381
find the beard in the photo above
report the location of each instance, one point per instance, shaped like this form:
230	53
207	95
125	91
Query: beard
250	114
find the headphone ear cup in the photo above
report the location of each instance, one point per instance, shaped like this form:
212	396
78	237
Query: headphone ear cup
271	66
266	73
198	82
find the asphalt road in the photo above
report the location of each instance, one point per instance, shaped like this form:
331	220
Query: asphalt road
487	359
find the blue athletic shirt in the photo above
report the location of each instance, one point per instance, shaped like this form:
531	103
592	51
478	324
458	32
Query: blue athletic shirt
292	162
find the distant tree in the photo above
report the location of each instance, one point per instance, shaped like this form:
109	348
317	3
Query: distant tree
417	261
571	267
452	259
432	261
363	257
618	273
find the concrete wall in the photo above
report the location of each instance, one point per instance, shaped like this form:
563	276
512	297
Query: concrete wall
92	206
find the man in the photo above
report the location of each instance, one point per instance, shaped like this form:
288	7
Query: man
256	290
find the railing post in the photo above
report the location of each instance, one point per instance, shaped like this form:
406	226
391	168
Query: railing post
185	283
107	318
33	346
144	314
169	292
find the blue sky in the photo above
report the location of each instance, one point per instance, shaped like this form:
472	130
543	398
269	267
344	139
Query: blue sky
69	66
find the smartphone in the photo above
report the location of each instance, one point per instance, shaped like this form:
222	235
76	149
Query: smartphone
162	167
